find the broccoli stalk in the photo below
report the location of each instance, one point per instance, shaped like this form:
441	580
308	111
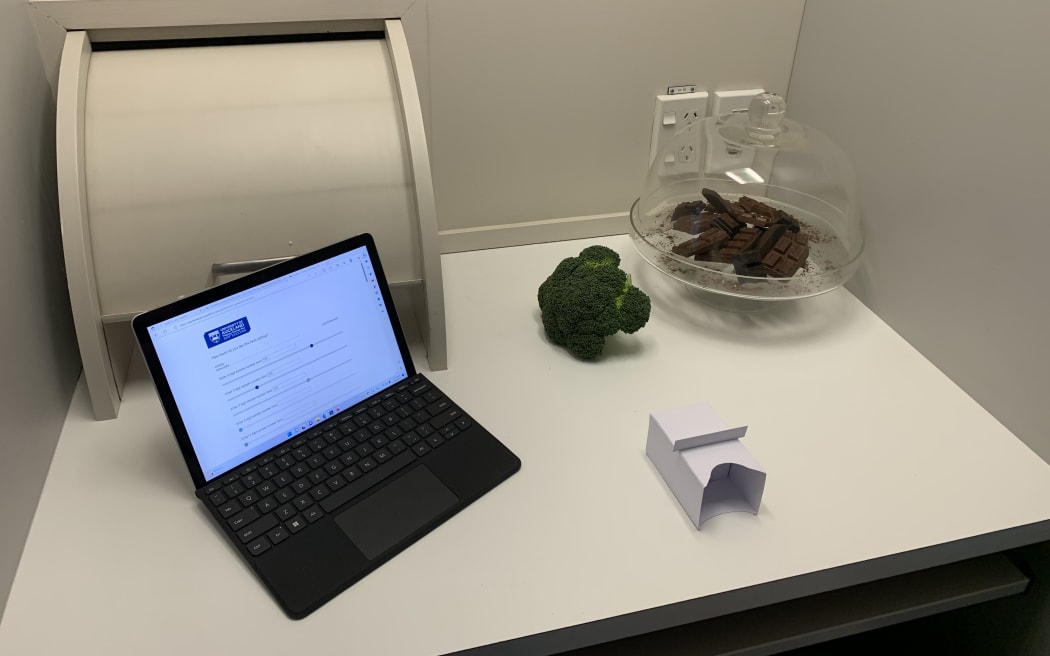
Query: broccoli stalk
588	298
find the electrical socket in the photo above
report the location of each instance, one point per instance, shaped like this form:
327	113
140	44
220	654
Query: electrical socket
672	113
724	102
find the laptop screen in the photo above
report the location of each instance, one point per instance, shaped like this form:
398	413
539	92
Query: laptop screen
259	366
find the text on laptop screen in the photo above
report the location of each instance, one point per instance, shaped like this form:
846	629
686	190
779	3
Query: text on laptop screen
256	368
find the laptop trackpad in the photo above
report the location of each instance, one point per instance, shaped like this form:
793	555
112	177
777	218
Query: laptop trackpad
395	512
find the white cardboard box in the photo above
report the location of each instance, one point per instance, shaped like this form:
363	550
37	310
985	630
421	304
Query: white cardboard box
703	462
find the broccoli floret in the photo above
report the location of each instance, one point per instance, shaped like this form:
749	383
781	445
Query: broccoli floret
588	298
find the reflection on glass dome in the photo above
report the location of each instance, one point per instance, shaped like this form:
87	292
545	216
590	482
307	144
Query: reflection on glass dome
750	205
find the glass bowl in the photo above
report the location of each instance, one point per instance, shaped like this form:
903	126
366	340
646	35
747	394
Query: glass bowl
750	206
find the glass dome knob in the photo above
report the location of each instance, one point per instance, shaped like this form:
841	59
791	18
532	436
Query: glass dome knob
764	116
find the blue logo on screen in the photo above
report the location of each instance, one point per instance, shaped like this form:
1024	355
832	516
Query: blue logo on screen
225	333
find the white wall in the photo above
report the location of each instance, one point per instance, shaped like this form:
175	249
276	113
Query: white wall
942	109
941	106
543	110
38	362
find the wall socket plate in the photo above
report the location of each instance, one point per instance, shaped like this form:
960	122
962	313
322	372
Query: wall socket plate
724	102
672	113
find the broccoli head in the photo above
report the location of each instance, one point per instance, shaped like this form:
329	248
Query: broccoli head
588	298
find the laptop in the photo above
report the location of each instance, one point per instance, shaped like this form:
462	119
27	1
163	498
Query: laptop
311	440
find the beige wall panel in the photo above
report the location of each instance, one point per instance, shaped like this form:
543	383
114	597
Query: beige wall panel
543	109
38	361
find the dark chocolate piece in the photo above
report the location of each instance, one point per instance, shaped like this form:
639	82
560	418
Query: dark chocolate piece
787	256
718	204
688	207
747	262
753	206
694	224
786	219
743	240
728	223
708	240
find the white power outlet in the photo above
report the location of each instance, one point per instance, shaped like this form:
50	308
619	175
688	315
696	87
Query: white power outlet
672	113
724	102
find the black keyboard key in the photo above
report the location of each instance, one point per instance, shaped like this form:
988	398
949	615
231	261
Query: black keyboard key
332	452
404	411
257	528
242	519
250	480
446	417
435	440
406	424
278	535
463	423
284	495
320	492
250	498
364	449
349	458
302	453
230	478
213	488
421	449
266	505
351	474
266	488
229	508
260	546
376	413
233	490
377	427
317	476
438	407
382	456
315	461
217	498
411	437
295	524
396	447
424	430
403	397
303	501
284	479
419	387
432	396
317	445
379	441
299	470
390	405
286	511
347	428
301	485
335	482
328	425
450	431
421	417
417	404
334	467
286	461
269	470
367	464
313	514
364	482
332	436
362	435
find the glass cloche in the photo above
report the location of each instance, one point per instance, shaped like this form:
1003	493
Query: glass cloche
750	206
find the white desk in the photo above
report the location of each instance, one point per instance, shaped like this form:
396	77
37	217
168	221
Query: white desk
878	465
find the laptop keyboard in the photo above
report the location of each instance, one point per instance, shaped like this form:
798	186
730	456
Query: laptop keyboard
279	494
